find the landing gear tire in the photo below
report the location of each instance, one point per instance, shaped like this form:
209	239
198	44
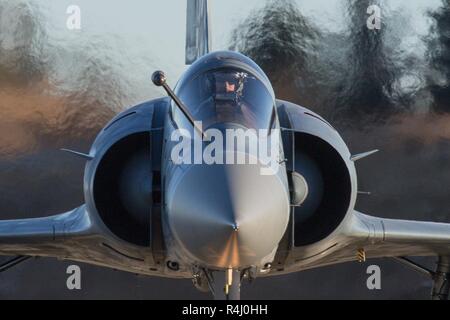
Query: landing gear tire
441	278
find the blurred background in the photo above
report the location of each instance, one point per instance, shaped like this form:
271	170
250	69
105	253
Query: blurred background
386	89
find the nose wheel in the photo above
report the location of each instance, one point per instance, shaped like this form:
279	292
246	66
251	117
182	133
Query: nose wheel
226	285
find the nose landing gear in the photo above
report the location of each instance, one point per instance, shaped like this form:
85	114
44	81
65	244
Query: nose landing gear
232	288
224	285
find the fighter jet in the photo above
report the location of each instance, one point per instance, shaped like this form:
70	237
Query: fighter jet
221	223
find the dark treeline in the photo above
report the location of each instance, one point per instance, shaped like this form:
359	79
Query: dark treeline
366	86
280	39
21	35
352	75
439	54
75	84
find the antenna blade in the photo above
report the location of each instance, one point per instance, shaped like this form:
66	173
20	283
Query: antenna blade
363	155
198	29
78	154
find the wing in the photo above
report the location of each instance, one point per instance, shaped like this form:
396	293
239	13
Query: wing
77	235
50	236
394	238
377	238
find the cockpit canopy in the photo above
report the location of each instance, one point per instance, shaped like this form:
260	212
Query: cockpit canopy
229	88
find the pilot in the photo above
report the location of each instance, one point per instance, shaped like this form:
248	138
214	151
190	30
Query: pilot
230	105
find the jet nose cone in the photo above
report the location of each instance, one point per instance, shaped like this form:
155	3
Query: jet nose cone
228	216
